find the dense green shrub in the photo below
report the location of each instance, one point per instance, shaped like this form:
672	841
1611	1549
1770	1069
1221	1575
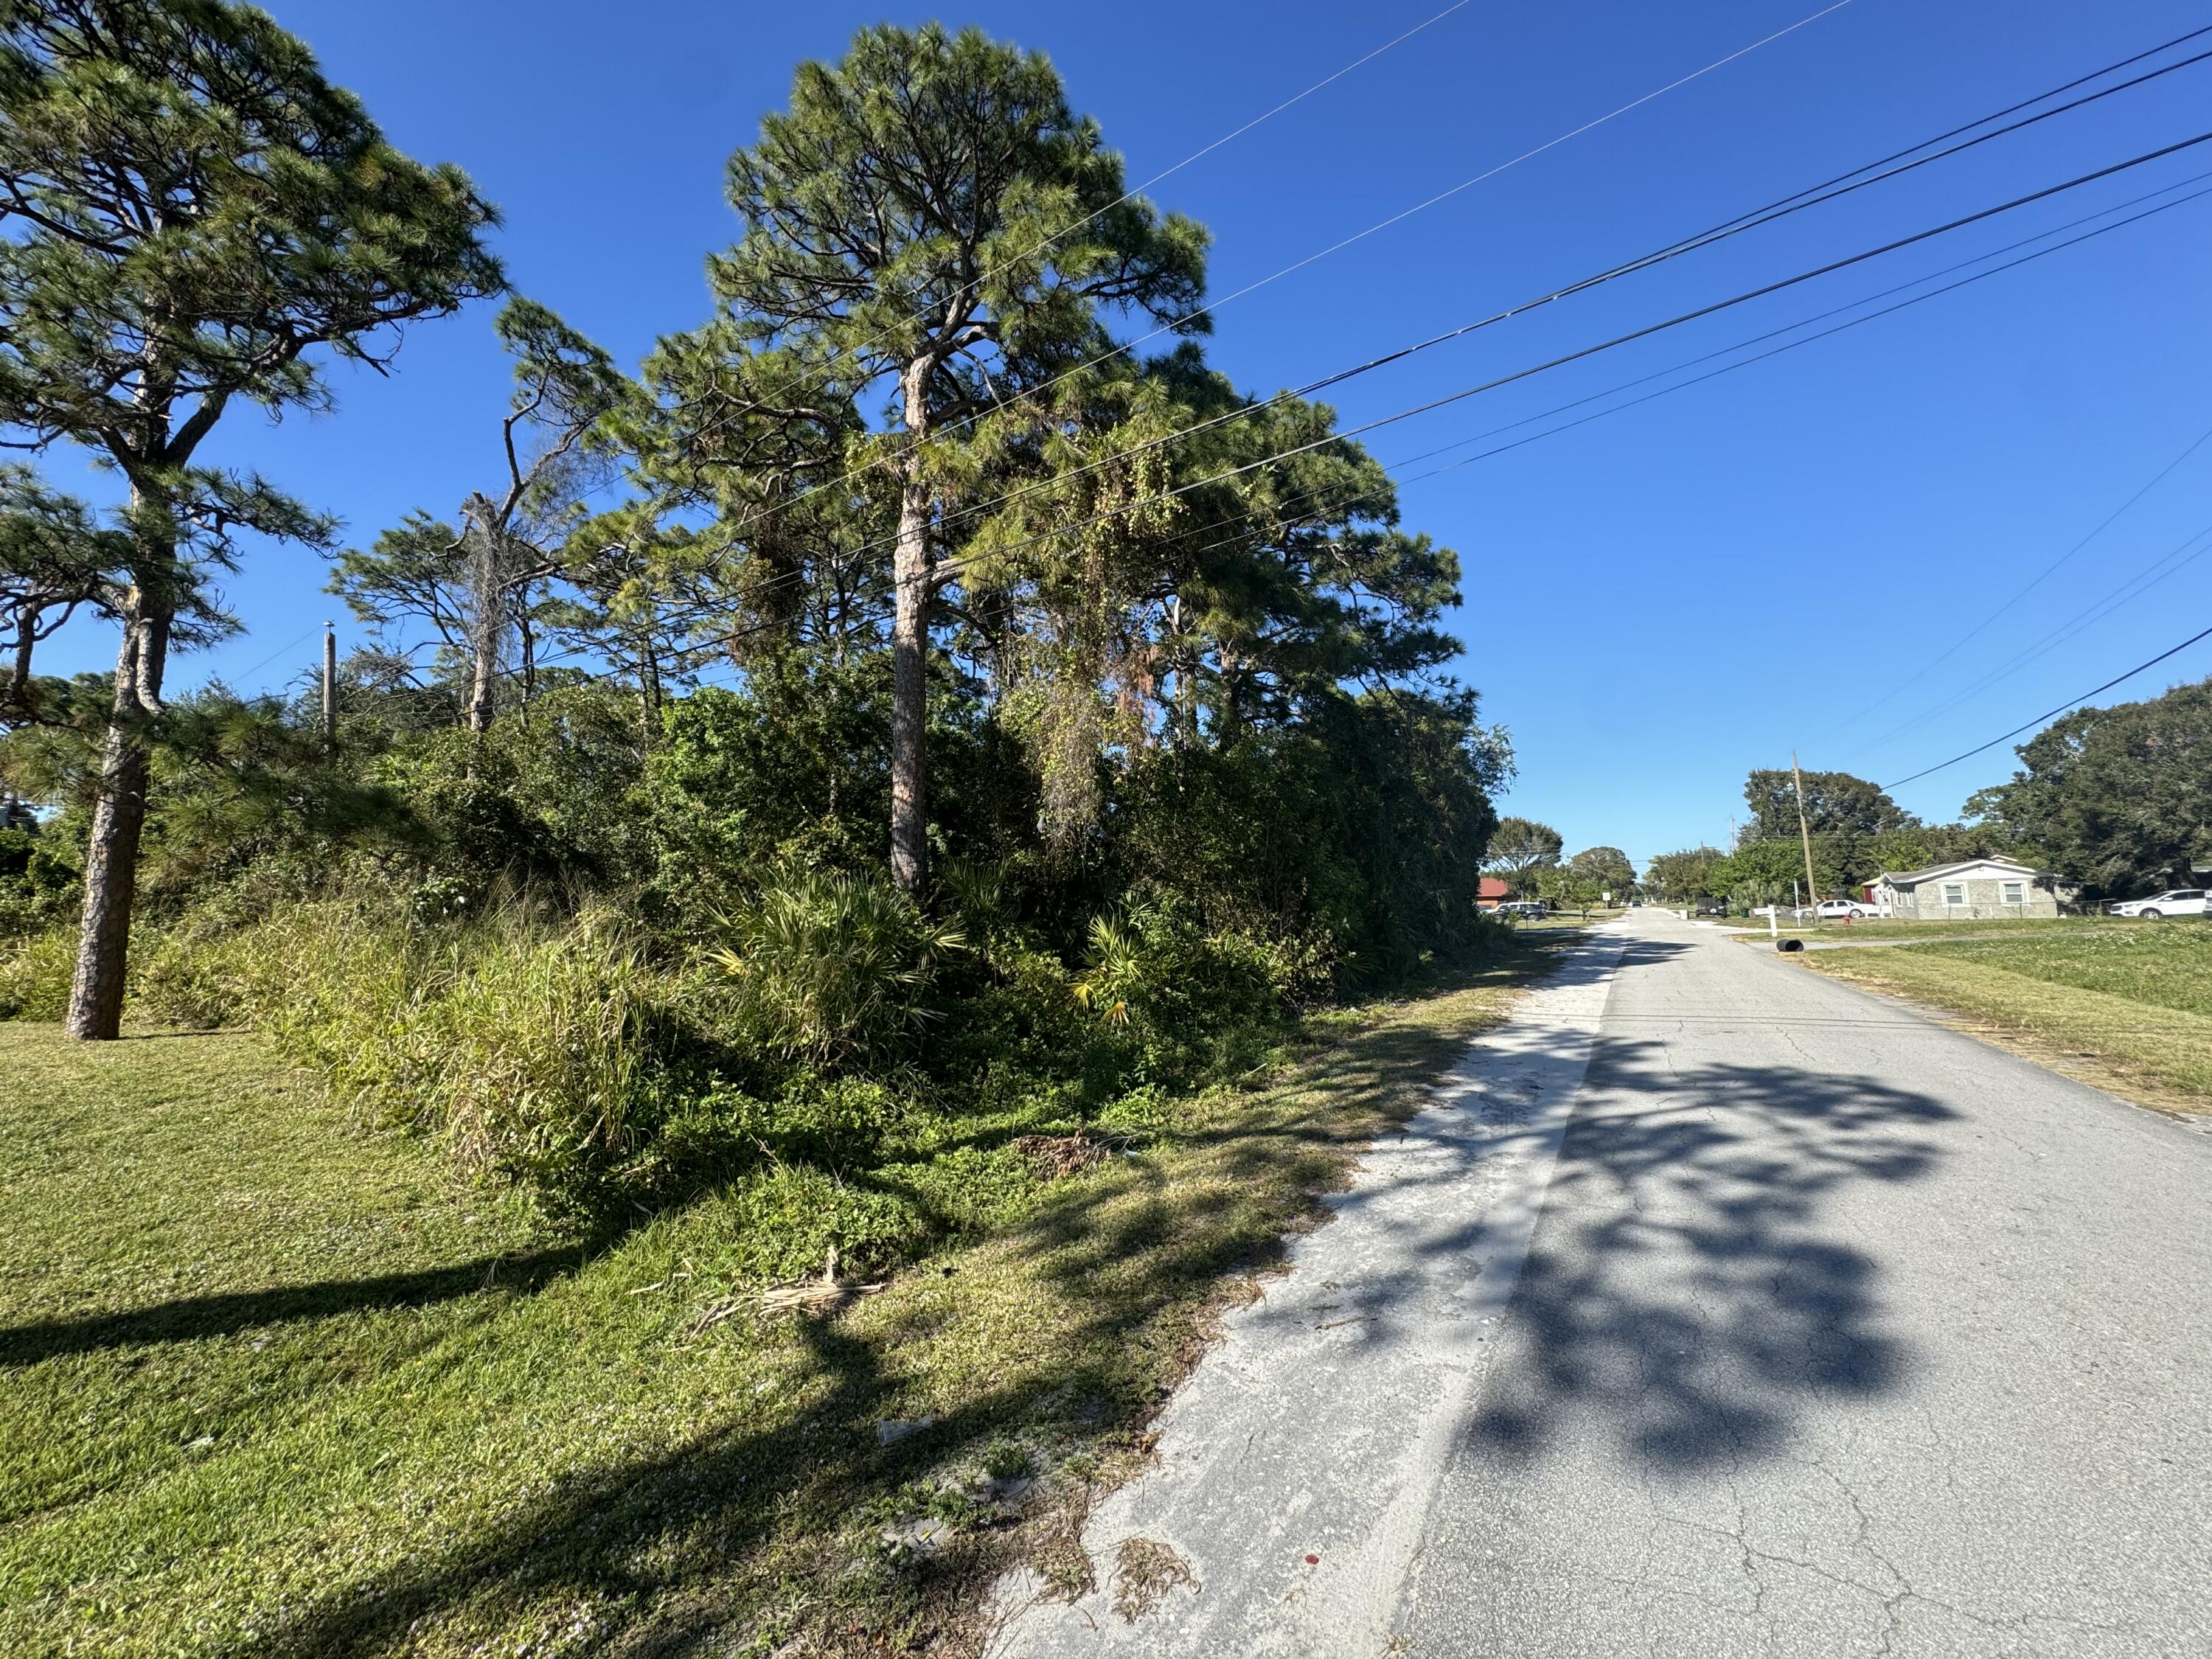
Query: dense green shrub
35	971
831	969
543	800
619	960
793	773
39	878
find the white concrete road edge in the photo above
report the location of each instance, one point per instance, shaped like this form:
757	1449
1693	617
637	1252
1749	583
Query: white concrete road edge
1297	1465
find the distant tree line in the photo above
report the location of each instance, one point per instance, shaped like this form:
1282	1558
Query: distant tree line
2119	799
1527	857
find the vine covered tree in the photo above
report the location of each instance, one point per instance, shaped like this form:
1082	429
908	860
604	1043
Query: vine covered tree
929	219
192	215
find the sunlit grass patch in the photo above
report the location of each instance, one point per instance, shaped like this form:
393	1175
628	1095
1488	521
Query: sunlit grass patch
2127	1008
1936	932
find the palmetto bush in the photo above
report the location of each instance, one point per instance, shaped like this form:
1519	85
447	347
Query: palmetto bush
831	970
1194	1002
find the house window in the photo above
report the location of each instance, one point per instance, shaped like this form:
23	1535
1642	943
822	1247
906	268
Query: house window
2016	892
1954	892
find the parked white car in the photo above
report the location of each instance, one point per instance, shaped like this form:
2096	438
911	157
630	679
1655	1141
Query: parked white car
2174	902
1843	911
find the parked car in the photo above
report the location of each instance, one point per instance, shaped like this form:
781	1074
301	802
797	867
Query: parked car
2174	902
1843	909
1522	910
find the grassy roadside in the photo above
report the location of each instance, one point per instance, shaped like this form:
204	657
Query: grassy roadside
272	1386
2028	927
2127	1008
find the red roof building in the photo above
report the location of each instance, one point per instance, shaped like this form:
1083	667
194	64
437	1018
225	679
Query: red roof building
1490	892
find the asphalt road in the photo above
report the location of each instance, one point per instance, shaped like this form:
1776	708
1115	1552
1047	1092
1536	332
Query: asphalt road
1716	1308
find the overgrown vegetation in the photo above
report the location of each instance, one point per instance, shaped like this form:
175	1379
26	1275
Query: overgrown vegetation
874	784
614	869
279	1387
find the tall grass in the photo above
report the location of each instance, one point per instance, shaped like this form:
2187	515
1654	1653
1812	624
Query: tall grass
543	1052
36	972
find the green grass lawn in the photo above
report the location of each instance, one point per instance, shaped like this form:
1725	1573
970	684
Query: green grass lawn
2024	926
273	1386
2125	1005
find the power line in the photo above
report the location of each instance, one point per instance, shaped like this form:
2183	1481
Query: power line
953	567
1752	221
2047	572
2053	714
1466	183
1823	334
2170	563
248	672
1757	339
1809	196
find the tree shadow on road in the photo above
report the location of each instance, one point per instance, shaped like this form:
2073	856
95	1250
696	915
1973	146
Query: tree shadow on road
1688	1295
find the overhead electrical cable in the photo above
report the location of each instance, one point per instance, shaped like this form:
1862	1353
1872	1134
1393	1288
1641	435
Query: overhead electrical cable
1418	207
1704	238
951	567
2051	714
2047	572
1813	195
1743	222
1740	345
2169	564
247	673
1618	340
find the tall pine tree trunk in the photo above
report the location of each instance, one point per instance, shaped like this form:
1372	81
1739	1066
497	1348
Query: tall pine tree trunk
913	583
118	820
910	691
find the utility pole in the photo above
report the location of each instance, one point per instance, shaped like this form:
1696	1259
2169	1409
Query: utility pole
1805	837
330	686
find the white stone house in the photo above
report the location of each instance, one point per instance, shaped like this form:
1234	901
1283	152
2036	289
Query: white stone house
1970	889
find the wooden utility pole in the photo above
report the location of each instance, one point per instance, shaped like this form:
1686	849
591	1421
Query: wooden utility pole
330	685
1805	838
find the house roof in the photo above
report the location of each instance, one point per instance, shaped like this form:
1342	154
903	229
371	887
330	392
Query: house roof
1490	887
1914	877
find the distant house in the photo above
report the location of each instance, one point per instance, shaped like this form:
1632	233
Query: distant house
1490	892
1970	889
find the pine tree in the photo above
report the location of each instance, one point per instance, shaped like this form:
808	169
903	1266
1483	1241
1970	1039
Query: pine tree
192	214
928	217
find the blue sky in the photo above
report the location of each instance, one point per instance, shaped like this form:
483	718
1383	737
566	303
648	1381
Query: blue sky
1657	600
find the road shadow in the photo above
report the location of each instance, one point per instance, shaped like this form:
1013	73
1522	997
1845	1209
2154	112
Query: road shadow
1689	1295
